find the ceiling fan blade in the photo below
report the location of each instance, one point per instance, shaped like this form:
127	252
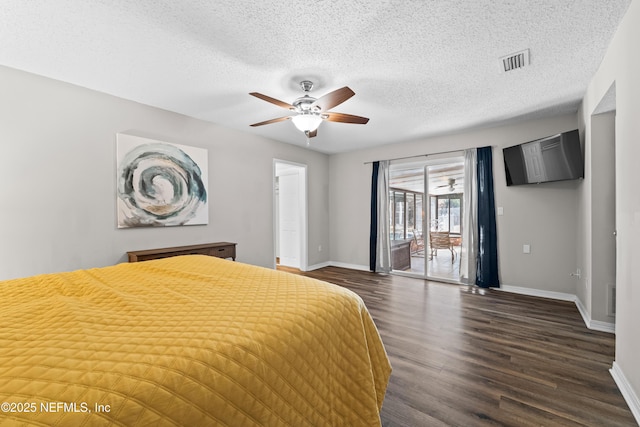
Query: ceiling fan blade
268	122
311	134
272	100
334	98
346	118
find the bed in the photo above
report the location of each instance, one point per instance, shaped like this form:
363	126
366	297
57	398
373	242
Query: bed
190	340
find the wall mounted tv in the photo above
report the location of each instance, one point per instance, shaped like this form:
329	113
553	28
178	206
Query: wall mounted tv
554	158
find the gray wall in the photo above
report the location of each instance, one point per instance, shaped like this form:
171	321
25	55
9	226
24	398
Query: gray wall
57	180
620	66
602	266
543	215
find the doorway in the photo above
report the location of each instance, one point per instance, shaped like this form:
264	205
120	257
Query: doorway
600	290
425	202
290	214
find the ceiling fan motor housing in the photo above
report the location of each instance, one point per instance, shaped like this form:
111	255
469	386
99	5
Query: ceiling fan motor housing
306	85
304	103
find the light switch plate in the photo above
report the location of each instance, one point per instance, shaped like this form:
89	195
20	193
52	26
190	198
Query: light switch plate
526	249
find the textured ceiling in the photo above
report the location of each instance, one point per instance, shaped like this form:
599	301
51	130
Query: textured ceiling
418	68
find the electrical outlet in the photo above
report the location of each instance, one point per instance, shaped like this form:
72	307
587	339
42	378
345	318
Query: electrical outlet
526	249
319	248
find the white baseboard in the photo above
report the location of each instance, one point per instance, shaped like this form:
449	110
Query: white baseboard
595	325
627	391
598	325
349	266
583	312
337	264
317	266
536	293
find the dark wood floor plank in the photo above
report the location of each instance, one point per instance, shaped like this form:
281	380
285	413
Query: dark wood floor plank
464	356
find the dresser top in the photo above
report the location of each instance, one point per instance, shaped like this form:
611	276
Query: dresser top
181	248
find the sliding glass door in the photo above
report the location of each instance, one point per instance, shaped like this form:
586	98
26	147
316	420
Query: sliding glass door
425	211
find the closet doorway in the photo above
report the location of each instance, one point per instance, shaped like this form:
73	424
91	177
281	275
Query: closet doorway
290	214
426	205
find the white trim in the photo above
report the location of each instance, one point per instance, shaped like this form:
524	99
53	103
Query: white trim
536	293
595	325
349	266
318	266
627	391
304	237
338	264
598	325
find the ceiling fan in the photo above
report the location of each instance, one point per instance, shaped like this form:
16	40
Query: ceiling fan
308	112
451	184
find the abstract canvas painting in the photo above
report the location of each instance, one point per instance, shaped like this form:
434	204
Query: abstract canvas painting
160	184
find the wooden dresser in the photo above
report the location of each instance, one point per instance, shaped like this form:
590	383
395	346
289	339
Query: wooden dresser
218	249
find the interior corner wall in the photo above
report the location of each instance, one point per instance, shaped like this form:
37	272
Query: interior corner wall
58	180
621	65
583	222
543	216
601	267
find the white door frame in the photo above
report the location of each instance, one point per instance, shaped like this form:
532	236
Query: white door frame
277	164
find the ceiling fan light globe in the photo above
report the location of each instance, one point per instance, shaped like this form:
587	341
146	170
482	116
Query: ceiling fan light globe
307	122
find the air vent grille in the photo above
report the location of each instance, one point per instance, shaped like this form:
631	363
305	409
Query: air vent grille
514	61
611	303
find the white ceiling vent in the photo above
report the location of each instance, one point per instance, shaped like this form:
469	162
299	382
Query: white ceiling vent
514	61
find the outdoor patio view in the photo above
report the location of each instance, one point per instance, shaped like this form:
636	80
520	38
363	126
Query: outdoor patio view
434	252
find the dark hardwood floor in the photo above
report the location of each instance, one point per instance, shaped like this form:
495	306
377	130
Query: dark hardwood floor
462	356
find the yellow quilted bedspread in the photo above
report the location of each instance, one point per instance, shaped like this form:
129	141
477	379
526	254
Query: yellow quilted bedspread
192	340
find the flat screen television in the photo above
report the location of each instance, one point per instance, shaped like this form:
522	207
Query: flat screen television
554	158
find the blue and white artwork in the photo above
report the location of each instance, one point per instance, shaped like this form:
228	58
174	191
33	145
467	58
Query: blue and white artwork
160	184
